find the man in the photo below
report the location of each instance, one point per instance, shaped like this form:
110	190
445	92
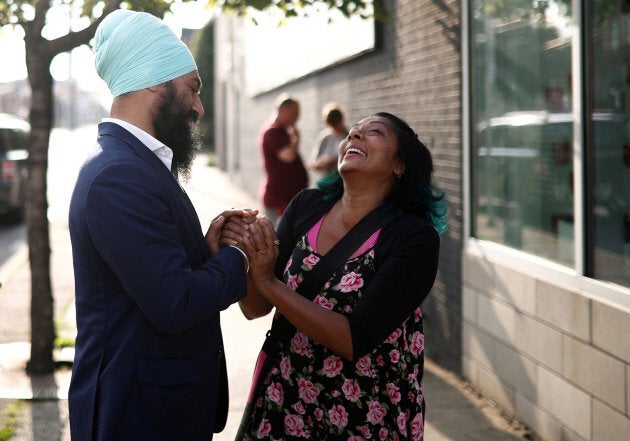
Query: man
149	361
285	174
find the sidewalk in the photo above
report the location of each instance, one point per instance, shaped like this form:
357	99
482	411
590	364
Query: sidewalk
454	412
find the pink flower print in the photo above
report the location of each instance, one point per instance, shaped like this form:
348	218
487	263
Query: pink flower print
383	433
275	393
264	428
288	265
319	414
299	344
420	397
293	282
332	366
351	390
417	427
376	412
401	420
347	308
355	438
393	336
299	408
365	431
417	343
379	360
350	282
285	367
259	402
338	416
413	379
323	302
394	355
294	425
394	393
307	391
310	261
363	364
417	315
371	253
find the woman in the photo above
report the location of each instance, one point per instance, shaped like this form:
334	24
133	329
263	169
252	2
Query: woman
351	365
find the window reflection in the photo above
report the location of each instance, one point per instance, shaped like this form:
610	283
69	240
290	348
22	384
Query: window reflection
523	127
609	140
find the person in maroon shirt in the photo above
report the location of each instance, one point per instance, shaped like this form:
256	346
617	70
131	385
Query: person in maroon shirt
285	174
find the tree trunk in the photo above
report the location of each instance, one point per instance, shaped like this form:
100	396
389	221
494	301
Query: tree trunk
38	59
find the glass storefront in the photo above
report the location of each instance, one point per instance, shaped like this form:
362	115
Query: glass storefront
522	130
522	126
608	136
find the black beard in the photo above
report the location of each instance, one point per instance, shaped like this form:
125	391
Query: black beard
177	128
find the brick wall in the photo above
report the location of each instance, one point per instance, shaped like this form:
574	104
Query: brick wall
415	73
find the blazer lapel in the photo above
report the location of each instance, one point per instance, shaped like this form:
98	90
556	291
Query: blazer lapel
174	188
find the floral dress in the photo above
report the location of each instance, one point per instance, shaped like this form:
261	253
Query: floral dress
311	393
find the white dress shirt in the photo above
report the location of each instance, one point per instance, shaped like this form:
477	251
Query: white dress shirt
164	153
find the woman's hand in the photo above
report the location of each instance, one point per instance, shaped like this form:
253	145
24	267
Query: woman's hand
228	228
261	246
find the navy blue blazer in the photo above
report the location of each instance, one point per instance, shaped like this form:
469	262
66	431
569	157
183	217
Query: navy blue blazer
149	350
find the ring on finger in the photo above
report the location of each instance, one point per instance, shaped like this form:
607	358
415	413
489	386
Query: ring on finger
261	251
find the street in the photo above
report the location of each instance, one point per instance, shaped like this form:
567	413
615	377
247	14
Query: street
66	153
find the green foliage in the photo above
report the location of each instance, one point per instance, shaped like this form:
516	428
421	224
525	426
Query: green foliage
15	12
9	422
64	342
155	7
290	8
516	9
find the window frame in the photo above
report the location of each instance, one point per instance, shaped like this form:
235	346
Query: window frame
576	278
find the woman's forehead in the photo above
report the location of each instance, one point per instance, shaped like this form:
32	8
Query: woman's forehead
373	119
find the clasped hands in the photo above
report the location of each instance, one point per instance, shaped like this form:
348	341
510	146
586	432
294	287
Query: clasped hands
250	232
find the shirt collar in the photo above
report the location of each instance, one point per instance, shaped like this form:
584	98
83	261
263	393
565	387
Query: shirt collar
164	153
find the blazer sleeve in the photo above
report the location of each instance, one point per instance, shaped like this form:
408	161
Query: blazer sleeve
133	224
405	274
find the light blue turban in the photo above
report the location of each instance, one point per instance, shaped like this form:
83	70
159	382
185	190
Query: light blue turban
136	50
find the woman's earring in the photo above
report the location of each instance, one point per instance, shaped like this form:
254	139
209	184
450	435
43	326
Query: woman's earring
398	175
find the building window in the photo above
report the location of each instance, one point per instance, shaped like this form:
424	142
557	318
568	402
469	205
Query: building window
608	140
522	126
522	131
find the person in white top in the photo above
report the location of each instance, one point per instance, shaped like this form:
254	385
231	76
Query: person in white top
326	149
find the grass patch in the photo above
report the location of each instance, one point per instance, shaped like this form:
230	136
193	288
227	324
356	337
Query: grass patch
9	425
212	160
63	342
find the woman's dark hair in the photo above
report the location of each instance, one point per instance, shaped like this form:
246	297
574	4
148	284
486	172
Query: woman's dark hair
414	191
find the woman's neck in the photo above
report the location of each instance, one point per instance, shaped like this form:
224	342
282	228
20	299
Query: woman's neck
354	206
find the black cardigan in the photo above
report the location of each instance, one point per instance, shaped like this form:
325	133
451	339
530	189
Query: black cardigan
406	258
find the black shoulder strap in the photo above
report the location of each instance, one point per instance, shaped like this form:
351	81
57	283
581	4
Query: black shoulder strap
339	253
315	279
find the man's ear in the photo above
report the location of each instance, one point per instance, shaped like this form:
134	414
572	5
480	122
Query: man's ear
155	89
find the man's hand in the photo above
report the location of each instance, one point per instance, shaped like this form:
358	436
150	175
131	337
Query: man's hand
228	228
